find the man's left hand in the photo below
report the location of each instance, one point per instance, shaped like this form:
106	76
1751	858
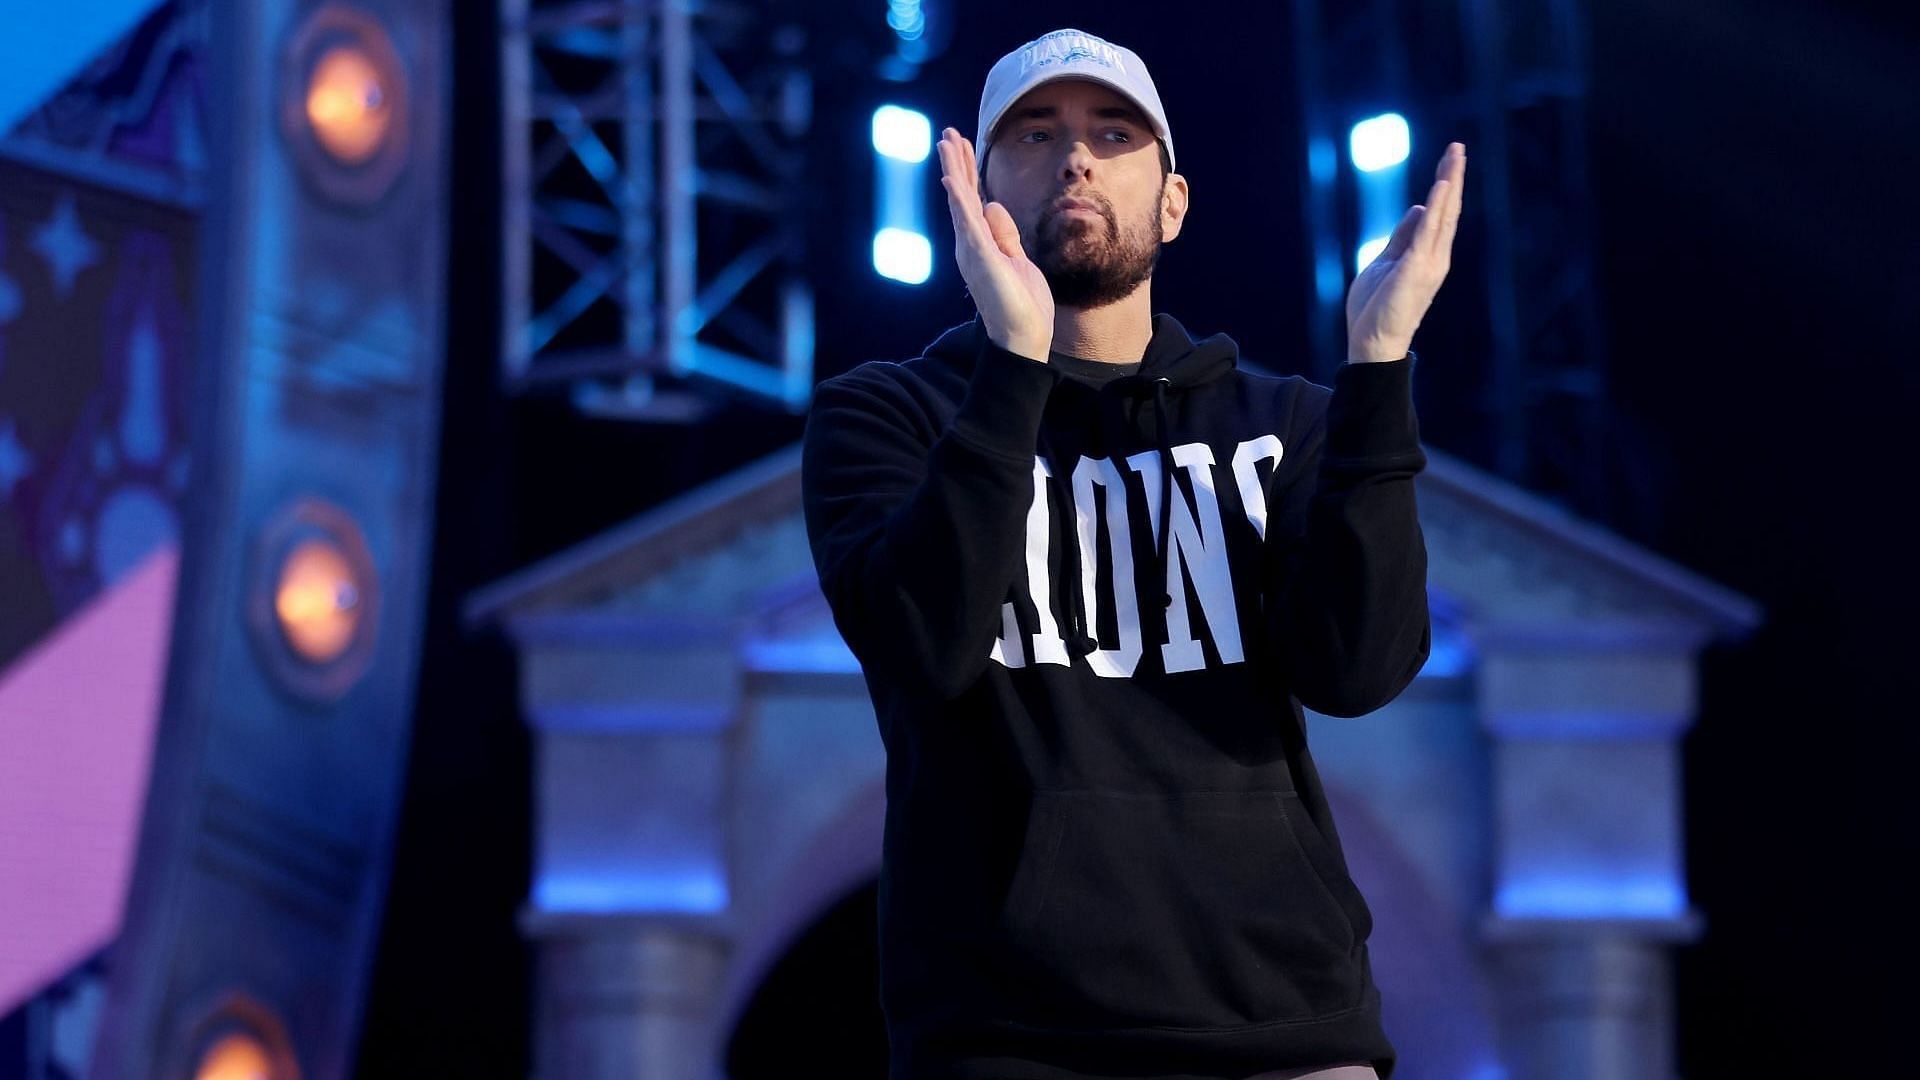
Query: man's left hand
1392	294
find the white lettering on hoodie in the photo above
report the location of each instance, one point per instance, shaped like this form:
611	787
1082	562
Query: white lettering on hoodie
1111	663
1048	648
1197	548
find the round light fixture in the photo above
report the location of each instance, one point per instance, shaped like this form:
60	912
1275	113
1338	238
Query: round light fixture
235	1056
344	104
348	107
314	602
317	600
237	1039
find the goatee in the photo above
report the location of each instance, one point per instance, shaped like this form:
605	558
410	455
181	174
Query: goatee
1091	262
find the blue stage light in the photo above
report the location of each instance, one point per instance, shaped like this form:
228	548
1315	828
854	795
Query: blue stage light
902	134
902	143
906	18
1368	252
902	255
1598	892
1379	147
687	889
1380	142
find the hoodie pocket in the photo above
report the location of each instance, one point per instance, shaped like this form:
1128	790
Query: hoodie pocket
1191	909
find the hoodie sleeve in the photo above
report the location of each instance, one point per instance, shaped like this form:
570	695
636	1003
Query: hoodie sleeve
916	544
1346	564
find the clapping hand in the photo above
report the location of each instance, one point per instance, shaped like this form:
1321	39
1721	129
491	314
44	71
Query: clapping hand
1392	294
1015	302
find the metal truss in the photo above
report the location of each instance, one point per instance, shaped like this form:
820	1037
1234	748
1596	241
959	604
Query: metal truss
1513	74
1528	60
652	155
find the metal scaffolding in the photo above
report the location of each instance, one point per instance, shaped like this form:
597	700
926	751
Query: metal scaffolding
651	153
1513	75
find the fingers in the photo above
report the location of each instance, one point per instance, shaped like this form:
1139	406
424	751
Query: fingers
1451	183
1402	237
957	162
956	165
1006	235
1434	238
1430	221
985	229
1456	165
964	223
963	196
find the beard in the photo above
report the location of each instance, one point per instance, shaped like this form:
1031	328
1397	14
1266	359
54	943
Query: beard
1090	263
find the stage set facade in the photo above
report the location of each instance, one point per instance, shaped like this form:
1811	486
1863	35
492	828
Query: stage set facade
710	780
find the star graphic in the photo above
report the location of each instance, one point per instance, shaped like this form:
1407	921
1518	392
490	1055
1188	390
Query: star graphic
15	462
65	245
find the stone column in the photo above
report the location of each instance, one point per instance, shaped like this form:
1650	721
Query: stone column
1584	1000
631	912
1589	889
626	998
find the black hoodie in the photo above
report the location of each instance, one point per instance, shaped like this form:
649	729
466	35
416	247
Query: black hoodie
1107	852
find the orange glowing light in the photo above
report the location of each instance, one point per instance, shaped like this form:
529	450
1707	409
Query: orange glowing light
347	105
317	601
235	1057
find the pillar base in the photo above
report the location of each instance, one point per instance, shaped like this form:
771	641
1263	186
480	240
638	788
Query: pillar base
1583	1003
626	997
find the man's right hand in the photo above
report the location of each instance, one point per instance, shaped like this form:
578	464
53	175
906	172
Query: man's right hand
1014	301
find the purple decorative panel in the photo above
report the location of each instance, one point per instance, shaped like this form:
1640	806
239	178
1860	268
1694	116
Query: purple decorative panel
96	293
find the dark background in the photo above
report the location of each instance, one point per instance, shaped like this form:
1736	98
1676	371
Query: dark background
1758	269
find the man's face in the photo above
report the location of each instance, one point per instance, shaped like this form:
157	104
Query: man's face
1072	140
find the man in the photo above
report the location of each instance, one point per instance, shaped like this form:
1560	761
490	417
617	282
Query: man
1092	571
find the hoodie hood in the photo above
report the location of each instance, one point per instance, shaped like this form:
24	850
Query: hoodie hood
1173	362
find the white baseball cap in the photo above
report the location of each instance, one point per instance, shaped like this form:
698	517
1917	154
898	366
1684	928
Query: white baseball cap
1068	54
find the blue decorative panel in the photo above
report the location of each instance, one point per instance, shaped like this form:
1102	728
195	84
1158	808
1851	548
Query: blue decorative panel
259	886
